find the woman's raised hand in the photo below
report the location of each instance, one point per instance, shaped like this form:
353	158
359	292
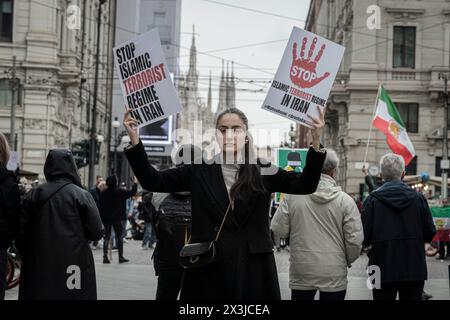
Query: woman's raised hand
131	126
316	131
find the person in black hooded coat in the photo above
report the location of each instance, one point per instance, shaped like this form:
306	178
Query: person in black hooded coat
58	218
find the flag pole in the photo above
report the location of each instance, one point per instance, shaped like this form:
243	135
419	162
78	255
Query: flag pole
370	128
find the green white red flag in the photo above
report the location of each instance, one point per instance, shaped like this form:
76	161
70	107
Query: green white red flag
387	119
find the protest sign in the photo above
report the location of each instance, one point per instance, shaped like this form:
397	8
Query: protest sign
304	77
145	80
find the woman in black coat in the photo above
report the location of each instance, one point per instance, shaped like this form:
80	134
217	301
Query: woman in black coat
9	210
58	220
245	266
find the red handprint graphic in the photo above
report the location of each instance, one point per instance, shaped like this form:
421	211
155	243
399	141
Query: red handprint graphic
303	69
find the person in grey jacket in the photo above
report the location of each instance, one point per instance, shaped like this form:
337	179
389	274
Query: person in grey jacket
325	233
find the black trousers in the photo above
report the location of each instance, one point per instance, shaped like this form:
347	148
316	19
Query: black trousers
308	295
3	263
169	283
118	232
406	291
442	245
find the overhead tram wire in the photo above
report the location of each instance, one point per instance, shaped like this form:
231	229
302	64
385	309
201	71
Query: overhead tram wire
348	52
257	69
324	25
365	34
297	19
235	47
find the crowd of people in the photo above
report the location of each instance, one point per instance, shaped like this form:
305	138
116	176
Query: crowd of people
209	224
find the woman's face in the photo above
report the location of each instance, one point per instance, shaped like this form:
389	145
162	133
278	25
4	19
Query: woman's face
231	134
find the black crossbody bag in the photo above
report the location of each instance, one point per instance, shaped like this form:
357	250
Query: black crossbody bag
194	255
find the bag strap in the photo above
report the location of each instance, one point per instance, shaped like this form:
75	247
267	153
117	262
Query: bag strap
218	232
223	222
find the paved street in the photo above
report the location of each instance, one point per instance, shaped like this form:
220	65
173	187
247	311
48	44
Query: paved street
136	280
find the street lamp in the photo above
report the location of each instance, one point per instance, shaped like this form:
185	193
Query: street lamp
115	125
126	139
100	138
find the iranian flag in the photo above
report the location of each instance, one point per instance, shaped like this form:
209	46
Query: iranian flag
387	120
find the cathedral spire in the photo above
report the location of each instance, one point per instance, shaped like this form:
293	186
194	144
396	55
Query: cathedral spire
227	87
232	70
228	74
192	73
209	104
232	89
222	91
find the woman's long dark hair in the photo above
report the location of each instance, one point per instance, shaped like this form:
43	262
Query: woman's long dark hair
249	175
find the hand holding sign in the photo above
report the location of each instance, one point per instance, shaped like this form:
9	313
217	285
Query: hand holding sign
131	126
318	125
303	70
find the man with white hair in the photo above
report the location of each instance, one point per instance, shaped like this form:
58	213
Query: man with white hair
325	234
397	222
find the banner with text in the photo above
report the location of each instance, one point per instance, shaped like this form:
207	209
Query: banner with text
145	80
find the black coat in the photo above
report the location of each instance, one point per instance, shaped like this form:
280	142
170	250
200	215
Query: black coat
397	222
245	266
58	219
113	204
9	207
95	193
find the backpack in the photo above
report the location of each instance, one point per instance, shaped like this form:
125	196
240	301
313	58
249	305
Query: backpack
147	210
173	227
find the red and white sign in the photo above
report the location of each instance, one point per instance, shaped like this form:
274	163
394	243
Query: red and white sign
304	77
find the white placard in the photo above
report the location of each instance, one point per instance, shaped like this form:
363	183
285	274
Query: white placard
304	77
145	80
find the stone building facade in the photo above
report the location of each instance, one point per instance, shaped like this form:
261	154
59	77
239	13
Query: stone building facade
54	42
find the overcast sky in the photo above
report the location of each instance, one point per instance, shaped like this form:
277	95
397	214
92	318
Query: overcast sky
221	27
